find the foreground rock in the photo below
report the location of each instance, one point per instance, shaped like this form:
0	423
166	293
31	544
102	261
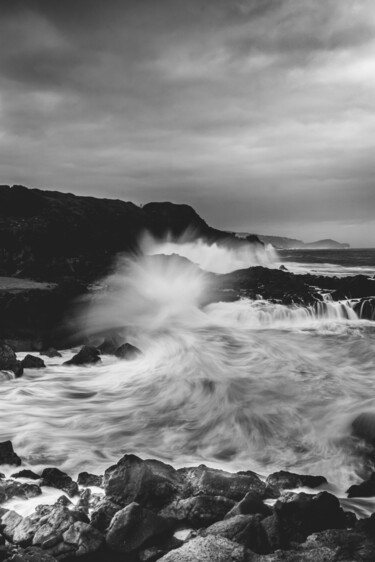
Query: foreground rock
32	362
58	479
364	490
8	360
363	426
208	549
7	454
86	356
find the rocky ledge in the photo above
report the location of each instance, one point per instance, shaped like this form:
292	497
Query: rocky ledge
147	510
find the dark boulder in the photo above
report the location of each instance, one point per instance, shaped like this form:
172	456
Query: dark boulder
198	511
87	479
127	351
284	480
32	554
364	490
26	474
84	539
244	529
57	479
32	362
10	489
133	527
7	454
103	514
209	549
8	360
51	352
86	356
110	344
363	426
251	504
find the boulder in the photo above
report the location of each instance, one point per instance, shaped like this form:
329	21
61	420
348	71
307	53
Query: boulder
363	426
87	479
10	489
364	490
57	479
86	356
7	454
208	549
244	529
26	474
32	554
284	480
127	351
150	483
133	527
8	360
9	522
32	362
251	504
109	345
51	352
198	511
84	538
103	514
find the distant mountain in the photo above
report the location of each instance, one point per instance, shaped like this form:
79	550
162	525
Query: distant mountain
284	243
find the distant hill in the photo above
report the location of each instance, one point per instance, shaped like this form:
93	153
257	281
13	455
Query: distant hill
284	243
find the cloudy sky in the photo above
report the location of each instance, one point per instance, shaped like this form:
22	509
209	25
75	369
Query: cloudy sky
259	113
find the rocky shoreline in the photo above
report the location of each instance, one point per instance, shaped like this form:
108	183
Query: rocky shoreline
146	510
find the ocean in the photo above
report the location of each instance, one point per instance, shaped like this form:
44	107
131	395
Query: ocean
247	385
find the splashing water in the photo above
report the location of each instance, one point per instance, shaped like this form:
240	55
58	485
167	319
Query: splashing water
243	385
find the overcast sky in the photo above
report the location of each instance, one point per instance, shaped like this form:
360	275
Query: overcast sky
259	113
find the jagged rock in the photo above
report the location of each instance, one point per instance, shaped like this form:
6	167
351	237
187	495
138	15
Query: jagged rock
127	351
110	345
87	479
213	482
284	480
86	356
64	501
32	554
251	504
8	360
244	529
10	489
364	490
51	352
133	526
32	362
58	479
103	514
7	454
84	538
83	503
150	483
208	549
198	511
26	474
363	426
9	522
25	531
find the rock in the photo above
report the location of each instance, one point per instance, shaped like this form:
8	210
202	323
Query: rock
134	526
363	426
244	529
84	538
32	362
8	360
127	351
57	479
103	514
64	501
251	504
51	352
208	549
283	268
150	483
9	522
10	489
86	356
25	531
364	490
198	511
110	345
52	524
213	482
284	480
87	479
26	474
2	475
7	454
32	554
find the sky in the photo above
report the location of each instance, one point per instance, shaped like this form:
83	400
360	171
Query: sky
258	113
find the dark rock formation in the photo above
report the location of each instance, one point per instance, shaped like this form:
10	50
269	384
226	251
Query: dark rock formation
58	479
284	480
7	454
251	504
363	426
32	362
364	490
26	474
127	351
8	360
10	489
51	352
86	356
87	479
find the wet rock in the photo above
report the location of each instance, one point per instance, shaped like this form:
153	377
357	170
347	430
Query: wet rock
64	501
83	503
8	360
32	362
10	489
244	529
284	480
84	538
58	479
9	521
110	345
32	554
198	511
364	490
51	352
103	514
25	531
127	351
150	483
7	454
87	479
363	426
209	481
26	474
251	504
86	356
208	549
134	526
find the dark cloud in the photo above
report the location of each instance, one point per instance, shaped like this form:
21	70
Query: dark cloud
260	113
